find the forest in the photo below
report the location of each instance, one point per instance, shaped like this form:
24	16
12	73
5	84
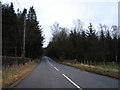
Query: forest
84	44
79	43
14	25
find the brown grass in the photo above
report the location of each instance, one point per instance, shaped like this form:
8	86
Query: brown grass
11	74
111	72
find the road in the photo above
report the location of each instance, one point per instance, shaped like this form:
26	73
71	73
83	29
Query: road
50	74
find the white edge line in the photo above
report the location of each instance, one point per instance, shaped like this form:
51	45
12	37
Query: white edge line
56	69
72	82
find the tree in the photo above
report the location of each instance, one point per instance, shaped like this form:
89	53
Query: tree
102	44
55	28
92	42
115	42
85	46
58	44
78	25
20	30
9	26
108	47
34	39
12	34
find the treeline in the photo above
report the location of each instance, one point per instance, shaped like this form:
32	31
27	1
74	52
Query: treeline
85	45
13	25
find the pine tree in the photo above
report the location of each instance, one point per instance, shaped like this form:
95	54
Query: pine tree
92	42
34	39
13	30
9	26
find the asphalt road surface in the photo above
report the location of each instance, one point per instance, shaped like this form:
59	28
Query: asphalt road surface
50	74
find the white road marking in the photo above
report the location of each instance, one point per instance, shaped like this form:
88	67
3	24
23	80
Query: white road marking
51	65
72	82
49	62
56	68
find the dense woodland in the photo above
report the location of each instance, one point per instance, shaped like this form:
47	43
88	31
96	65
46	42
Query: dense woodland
13	25
79	43
85	44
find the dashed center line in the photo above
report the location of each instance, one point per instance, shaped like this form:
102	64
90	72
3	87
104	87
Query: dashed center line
56	68
51	65
49	62
67	78
72	82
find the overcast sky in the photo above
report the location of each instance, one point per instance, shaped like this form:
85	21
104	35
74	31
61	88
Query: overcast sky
65	11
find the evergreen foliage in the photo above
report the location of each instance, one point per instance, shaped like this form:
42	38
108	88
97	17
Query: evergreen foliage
13	30
85	45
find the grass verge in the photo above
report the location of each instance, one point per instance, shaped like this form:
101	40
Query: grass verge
98	69
12	74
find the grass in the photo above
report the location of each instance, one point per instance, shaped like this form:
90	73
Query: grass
108	66
11	74
107	69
